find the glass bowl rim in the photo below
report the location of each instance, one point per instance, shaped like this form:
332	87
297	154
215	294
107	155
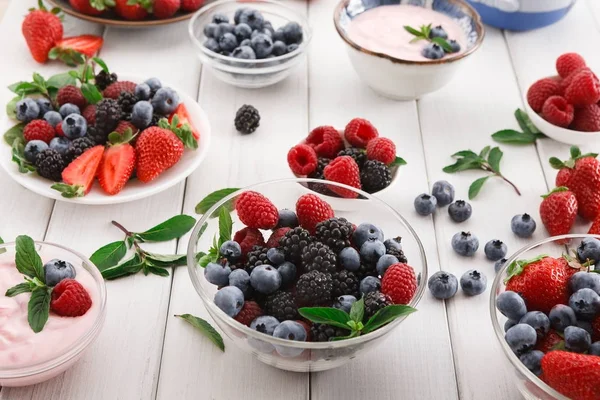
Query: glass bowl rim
216	311
83	342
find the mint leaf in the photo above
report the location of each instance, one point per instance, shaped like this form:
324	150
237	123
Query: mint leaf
38	308
207	258
59	80
213	198
225	226
326	315
526	125
476	187
18	157
466	154
109	255
357	311
2	249
101	64
158	270
91	93
129	267
463	164
484	152
24	287
386	315
413	31
205	328
167	260
16	132
11	107
511	136
443	44
494	158
172	228
28	260
398	161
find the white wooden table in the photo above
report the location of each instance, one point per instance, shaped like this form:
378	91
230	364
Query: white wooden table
445	351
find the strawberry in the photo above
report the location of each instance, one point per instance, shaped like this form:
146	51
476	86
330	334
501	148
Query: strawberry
84	6
549	342
326	141
568	63
70	299
558	211
69	48
595	228
256	211
344	170
41	29
184	118
577	376
116	168
311	210
165	8
79	176
191	5
399	283
542	282
157	149
131	12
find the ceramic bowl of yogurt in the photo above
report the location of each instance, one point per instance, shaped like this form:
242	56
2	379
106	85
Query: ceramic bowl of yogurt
397	63
26	357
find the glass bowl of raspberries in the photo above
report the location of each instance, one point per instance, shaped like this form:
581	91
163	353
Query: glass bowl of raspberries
545	308
250	44
300	286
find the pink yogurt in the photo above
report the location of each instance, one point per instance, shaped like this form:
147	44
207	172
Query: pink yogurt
381	30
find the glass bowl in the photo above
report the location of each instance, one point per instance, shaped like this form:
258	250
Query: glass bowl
250	74
48	369
530	386
293	355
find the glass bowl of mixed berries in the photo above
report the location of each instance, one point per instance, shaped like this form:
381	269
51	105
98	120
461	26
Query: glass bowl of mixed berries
300	286
545	308
250	44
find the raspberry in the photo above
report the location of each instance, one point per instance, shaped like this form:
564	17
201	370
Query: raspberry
566	82
311	210
250	310
587	119
343	170
70	299
399	283
569	63
276	237
114	90
59	131
359	132
302	159
381	149
584	90
89	113
256	211
548	342
539	92
557	111
248	238
326	141
595	228
596	329
38	129
70	94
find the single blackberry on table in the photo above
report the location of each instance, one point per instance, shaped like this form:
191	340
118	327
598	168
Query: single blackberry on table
282	305
314	288
359	155
324	332
255	257
335	233
319	257
322	162
104	79
294	241
78	147
375	176
108	114
375	301
247	119
345	282
126	101
365	270
50	164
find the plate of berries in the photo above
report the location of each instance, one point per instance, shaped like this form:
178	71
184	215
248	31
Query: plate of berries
101	139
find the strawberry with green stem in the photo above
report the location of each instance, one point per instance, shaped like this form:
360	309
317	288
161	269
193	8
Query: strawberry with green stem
558	211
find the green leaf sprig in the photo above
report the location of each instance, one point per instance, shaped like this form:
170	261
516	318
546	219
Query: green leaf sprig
424	33
225	231
529	135
487	160
205	328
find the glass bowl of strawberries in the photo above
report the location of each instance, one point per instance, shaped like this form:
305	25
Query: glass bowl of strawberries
299	286
545	309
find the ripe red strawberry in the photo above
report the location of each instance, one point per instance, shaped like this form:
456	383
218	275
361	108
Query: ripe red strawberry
248	238
184	118
71	94
311	210
568	63
399	283
81	172
548	342
558	211
70	299
595	228
114	90
275	236
302	159
587	119
541	282
191	5
256	211
39	129
344	170
165	8
563	177
584	90
558	112
359	131
157	150
596	329
326	141
131	12
540	91
574	375
250	310
89	113
41	29
84	6
88	45
381	149
116	167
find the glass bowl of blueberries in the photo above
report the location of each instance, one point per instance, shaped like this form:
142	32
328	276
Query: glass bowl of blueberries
250	44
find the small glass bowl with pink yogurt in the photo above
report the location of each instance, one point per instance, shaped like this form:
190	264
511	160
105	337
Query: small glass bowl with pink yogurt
28	358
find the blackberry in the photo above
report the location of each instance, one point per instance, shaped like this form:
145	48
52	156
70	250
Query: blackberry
155	119
365	270
255	257
108	114
321	188
399	254
359	155
104	79
345	282
50	164
335	233
319	257
293	242
375	176
321	164
247	119
375	301
126	101
324	332
314	288
282	305
78	147
96	135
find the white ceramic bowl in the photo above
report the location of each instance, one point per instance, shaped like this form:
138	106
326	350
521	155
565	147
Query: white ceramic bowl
134	190
404	79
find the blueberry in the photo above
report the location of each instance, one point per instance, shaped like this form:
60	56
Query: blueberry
60	144
425	204
454	45
240	279
577	340
212	45
238	13
538	321
521	338
369	284
244	53
68	109
143	91
460	211
53	118
511	305
225	28
74	126
372	250
211	30
589	250
442	285
246	42
384	263
262	31
44	105
265	279
154	84
231	250
230	300
141	116
443	191
217	274
585	303
242	31
495	250
262	45
279	48
292	47
276	256
438	31
227	42
585	280
499	264
344	302
32	149
287	219
366	232
290	330
264	324
253	18
561	317
27	110
509	324
292	33
594	349
433	51
465	244
473	282
165	101
350	259
287	270
533	361
278	35
56	270
220	18
523	225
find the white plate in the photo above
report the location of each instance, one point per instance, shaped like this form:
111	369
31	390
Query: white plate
134	190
